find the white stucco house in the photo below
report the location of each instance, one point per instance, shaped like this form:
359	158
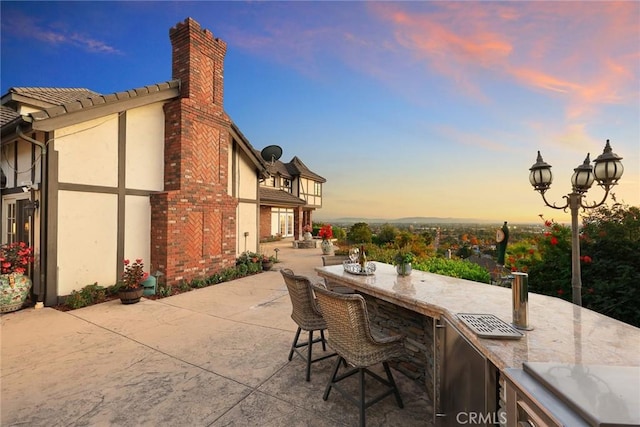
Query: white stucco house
159	172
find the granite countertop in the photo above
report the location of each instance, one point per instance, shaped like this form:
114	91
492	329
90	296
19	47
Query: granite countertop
563	332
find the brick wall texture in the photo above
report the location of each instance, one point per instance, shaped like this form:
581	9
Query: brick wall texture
193	222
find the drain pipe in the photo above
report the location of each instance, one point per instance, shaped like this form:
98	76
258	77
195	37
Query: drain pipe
43	212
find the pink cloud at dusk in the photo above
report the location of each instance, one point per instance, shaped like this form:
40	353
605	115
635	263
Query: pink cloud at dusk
586	53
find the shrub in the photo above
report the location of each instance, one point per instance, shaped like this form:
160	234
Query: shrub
90	294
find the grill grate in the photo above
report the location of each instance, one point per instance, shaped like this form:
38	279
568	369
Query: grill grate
489	326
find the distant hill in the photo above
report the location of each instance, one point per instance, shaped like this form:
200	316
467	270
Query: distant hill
412	220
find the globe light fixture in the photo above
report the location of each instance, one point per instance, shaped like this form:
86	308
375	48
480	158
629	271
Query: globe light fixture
606	171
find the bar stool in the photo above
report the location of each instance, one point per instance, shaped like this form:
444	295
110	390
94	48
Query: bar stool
350	336
333	286
307	316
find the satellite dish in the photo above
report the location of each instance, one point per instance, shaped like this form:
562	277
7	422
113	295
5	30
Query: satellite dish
271	153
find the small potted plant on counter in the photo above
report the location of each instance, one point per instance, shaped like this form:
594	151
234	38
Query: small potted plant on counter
402	260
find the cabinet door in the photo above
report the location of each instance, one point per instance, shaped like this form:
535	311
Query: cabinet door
464	381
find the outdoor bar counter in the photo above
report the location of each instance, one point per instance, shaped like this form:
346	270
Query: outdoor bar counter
575	367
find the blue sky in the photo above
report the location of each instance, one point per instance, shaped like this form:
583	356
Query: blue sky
406	108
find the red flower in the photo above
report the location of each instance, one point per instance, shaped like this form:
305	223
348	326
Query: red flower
532	251
586	259
548	223
560	292
547	234
15	258
590	290
326	232
554	240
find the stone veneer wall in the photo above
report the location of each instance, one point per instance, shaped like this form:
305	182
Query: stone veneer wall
419	339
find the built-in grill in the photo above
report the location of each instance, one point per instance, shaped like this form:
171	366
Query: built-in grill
489	326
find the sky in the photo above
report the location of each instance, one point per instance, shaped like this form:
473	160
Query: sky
433	109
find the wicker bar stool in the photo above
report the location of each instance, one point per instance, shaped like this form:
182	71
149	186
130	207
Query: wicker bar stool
307	316
333	286
350	336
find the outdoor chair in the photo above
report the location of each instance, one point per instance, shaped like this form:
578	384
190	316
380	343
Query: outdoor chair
333	286
307	316
351	337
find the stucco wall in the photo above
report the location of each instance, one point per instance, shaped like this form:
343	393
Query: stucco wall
247	216
137	225
86	247
145	148
88	152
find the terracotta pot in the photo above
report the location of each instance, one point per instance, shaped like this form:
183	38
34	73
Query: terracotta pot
130	296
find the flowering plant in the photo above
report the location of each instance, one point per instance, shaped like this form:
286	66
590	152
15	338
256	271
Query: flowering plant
326	232
403	256
133	274
15	258
307	228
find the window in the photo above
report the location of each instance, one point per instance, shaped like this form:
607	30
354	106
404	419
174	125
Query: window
286	185
317	189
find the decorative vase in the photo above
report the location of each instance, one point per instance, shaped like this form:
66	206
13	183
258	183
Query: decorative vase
307	236
403	269
130	296
326	246
266	266
14	289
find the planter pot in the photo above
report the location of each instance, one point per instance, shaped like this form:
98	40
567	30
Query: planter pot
327	247
403	269
130	296
14	289
307	236
266	266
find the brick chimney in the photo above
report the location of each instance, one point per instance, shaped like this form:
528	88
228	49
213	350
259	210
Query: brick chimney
193	222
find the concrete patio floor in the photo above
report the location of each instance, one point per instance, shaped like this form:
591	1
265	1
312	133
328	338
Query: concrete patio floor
215	356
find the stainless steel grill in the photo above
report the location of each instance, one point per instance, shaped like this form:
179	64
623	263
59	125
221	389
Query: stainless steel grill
489	326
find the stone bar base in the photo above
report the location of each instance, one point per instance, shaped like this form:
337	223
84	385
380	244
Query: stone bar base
419	343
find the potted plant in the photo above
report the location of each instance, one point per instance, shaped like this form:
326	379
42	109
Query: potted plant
402	260
326	234
14	284
133	275
267	262
306	230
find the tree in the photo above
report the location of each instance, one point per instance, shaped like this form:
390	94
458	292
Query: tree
387	234
611	262
359	233
610	244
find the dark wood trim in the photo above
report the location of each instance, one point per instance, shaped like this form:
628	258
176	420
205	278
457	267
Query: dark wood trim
51	224
121	190
67	186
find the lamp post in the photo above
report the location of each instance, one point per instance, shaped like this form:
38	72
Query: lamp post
607	170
